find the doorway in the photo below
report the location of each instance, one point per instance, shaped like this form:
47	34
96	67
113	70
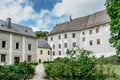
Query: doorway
16	59
39	60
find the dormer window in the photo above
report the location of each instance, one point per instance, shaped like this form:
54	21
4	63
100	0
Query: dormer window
2	25
25	30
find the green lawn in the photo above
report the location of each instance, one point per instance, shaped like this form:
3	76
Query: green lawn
114	69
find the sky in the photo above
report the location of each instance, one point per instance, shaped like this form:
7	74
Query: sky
45	14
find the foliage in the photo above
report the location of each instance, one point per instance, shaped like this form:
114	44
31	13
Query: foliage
41	34
113	9
16	72
81	67
47	61
114	60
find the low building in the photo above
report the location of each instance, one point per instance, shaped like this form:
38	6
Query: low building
17	43
44	51
91	32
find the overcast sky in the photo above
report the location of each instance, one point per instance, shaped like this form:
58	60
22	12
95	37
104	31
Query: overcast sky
45	14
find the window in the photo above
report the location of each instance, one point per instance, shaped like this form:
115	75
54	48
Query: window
59	46
29	46
3	57
74	52
3	44
73	35
90	31
83	39
41	52
65	45
65	36
53	46
17	45
74	44
29	58
59	52
48	52
25	30
83	33
59	37
91	42
97	30
51	38
98	41
53	53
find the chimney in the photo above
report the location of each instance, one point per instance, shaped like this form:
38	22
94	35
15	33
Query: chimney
9	22
70	18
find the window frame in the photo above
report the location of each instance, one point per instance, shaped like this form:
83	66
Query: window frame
97	30
3	57
29	58
41	52
53	53
65	36
65	45
17	45
74	44
98	41
59	36
83	33
83	39
59	46
73	35
48	52
53	46
91	42
59	52
90	31
29	47
3	44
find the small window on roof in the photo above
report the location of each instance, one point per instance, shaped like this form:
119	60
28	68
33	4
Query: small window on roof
25	30
2	25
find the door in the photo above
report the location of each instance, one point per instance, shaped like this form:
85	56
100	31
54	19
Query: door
16	59
39	60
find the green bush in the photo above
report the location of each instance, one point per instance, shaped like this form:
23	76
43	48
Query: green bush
47	61
81	67
16	72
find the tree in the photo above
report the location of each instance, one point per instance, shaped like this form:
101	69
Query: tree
113	9
41	34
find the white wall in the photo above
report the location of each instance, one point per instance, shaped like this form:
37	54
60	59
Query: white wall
103	48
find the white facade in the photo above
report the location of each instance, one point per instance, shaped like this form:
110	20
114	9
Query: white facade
97	41
20	54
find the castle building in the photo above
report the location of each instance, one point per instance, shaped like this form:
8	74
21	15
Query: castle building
17	43
43	51
91	32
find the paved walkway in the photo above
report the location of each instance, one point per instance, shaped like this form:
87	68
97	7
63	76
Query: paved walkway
39	73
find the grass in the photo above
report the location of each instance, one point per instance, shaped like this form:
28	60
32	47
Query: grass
114	69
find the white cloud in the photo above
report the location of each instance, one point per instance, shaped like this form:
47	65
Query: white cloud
78	8
14	9
34	28
75	8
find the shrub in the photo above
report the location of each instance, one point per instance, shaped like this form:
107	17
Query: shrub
81	67
16	72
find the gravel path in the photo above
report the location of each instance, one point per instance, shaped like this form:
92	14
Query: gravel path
39	73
